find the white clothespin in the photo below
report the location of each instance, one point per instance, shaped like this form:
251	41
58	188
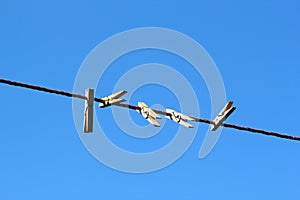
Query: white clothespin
148	114
179	118
222	116
112	99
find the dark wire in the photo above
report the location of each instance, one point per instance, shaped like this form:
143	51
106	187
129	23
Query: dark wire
68	94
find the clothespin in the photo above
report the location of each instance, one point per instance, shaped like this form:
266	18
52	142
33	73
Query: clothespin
179	118
222	116
88	111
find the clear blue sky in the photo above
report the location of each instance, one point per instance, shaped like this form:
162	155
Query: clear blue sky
255	45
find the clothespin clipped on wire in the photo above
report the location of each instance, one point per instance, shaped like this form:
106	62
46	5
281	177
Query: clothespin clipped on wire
88	111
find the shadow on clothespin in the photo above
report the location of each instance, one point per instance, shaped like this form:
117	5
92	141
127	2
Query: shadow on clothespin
88	111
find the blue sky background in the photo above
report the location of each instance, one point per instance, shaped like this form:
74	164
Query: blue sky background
255	45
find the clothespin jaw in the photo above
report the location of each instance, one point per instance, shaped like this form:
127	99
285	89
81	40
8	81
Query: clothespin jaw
88	111
222	116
